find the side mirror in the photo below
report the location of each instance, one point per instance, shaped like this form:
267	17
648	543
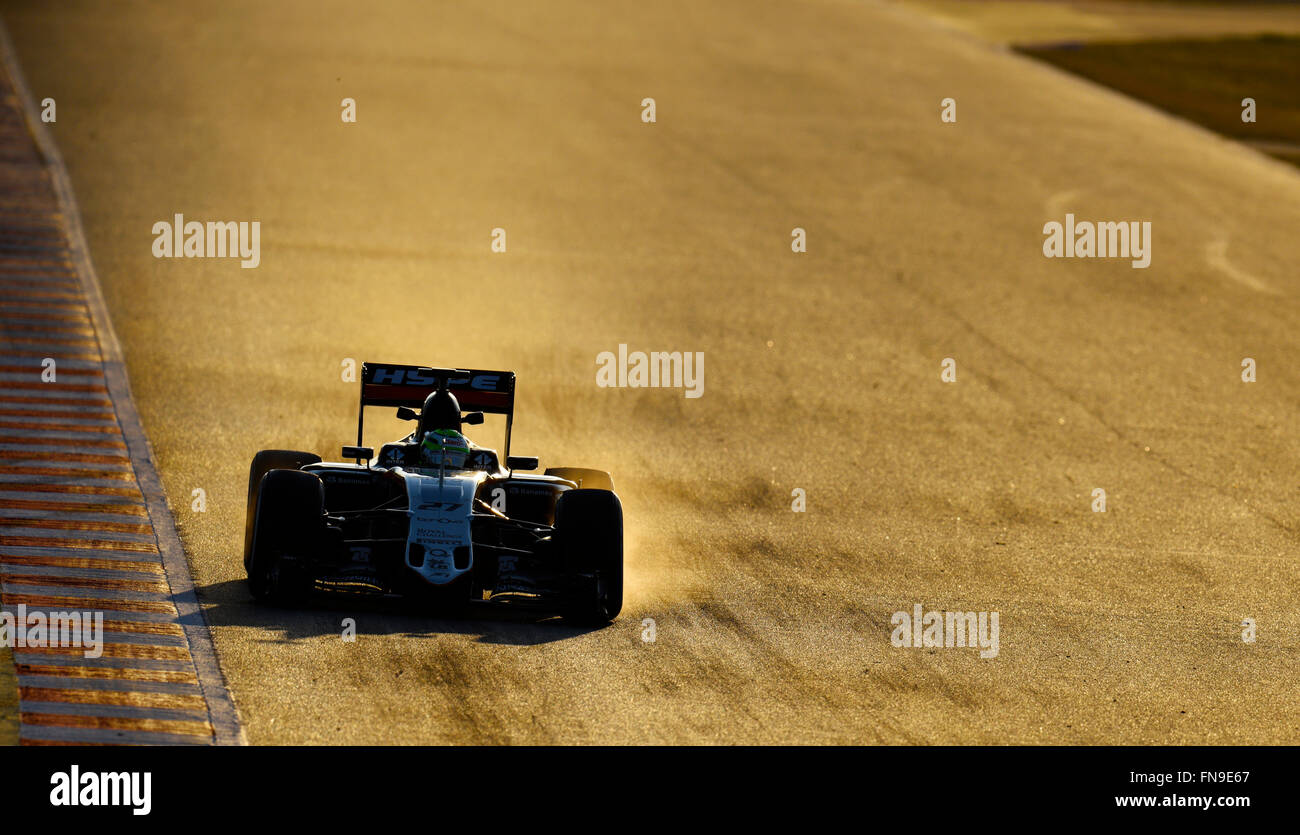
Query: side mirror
404	413
361	453
473	418
521	462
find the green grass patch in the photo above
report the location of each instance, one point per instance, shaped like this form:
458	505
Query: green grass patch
1203	81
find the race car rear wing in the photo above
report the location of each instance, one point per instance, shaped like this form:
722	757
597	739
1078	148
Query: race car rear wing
407	385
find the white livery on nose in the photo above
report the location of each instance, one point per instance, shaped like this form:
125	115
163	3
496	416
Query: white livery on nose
440	509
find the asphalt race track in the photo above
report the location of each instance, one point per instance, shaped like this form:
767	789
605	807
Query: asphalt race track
924	242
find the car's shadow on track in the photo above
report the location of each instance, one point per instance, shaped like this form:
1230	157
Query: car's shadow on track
230	604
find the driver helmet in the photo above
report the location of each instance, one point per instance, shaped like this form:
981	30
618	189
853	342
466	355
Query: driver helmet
441	442
441	411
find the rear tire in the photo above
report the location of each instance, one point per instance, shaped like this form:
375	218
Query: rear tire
288	522
589	532
264	462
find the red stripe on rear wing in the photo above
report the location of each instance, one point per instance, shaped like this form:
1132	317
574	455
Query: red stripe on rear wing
470	400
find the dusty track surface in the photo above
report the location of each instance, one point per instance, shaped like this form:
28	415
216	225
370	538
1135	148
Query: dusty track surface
822	369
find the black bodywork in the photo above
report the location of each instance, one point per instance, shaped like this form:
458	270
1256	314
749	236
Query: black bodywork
366	529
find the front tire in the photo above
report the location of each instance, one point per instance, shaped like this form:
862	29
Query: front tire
287	523
589	532
263	463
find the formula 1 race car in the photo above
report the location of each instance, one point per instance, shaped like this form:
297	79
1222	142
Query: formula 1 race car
435	516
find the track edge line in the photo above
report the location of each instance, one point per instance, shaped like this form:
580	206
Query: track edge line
224	717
